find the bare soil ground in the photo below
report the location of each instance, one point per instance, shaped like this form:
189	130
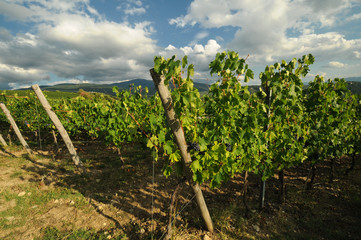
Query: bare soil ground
47	198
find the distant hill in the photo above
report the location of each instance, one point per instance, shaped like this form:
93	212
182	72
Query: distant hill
108	88
354	84
353	79
354	87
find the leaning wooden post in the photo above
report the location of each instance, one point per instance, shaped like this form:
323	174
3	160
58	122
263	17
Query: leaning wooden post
16	129
178	133
2	140
63	133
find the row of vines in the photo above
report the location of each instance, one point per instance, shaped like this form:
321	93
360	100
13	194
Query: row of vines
228	130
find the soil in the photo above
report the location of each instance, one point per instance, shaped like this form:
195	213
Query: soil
120	198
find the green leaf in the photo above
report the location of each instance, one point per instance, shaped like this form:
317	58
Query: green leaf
195	166
190	71
173	157
149	143
202	144
184	61
152	119
168	147
161	137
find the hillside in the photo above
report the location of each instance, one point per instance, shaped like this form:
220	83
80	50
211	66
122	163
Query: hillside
108	88
353	79
354	86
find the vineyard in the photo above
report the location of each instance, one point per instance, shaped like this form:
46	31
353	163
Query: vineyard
252	151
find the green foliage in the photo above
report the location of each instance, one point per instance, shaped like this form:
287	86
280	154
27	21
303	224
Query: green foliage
238	131
330	115
260	132
234	130
285	129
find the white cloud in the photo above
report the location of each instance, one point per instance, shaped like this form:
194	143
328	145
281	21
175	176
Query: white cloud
335	64
15	75
132	7
187	50
198	48
200	55
324	46
135	10
5	35
201	35
213	13
210	49
263	26
170	48
357	54
69	40
136	2
45	10
354	17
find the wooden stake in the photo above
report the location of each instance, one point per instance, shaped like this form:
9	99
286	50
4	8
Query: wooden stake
2	140
55	140
245	186
63	133
178	133
16	129
9	137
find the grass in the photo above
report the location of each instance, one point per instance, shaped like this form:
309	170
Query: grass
51	233
28	200
16	174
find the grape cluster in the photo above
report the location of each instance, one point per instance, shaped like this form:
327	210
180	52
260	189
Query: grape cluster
194	146
229	147
143	132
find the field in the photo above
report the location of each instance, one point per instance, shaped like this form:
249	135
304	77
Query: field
47	198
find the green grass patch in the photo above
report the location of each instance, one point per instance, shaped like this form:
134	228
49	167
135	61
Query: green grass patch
16	174
51	233
28	200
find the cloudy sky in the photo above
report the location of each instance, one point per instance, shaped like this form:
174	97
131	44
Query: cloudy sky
104	41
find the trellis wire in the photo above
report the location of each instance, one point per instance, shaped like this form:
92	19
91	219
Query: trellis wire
38	117
180	211
152	212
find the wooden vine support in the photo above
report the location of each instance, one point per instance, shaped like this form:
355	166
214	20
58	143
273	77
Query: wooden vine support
178	133
63	133
16	129
2	140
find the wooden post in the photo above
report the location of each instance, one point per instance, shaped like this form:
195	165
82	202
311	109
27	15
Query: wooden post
3	141
9	137
63	133
16	129
178	133
55	141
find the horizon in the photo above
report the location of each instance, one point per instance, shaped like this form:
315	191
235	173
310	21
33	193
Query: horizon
349	80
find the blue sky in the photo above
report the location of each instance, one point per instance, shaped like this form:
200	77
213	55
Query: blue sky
104	41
